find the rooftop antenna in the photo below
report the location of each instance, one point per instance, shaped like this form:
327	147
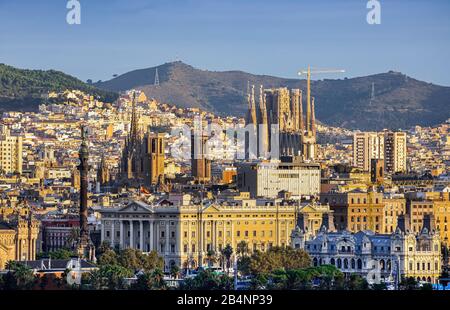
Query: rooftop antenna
156	77
372	95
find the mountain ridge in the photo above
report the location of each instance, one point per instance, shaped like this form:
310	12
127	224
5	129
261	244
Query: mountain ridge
400	101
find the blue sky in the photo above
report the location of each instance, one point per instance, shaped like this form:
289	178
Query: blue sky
259	36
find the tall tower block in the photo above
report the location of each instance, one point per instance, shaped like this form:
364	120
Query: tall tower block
200	165
155	145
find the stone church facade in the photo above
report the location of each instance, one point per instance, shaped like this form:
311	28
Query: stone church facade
18	240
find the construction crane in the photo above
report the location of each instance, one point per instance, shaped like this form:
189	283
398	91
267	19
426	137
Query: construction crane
308	73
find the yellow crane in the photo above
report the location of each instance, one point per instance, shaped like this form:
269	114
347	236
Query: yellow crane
308	73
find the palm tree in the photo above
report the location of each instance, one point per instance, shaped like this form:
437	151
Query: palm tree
158	282
226	253
174	271
211	257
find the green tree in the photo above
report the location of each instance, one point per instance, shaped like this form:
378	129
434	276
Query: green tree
208	280
109	277
19	277
108	257
227	252
175	271
242	248
150	281
151	261
356	282
104	247
408	284
378	286
279	258
211	257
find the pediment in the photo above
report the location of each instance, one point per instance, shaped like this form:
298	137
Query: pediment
308	209
136	207
211	209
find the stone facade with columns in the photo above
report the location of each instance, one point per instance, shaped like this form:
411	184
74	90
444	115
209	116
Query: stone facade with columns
184	233
18	239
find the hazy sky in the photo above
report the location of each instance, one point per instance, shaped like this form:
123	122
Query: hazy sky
275	37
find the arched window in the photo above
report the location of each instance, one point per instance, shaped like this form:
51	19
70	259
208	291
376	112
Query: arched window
339	263
353	263
345	263
315	262
382	264
359	264
389	265
332	262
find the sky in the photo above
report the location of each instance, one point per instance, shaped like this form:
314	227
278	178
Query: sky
274	37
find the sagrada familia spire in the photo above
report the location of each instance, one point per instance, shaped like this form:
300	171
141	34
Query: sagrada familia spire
282	109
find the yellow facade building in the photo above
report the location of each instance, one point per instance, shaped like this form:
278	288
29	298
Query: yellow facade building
183	233
18	240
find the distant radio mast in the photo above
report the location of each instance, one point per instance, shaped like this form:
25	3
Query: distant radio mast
372	95
156	78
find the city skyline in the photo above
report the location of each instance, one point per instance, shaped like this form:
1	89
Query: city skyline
114	38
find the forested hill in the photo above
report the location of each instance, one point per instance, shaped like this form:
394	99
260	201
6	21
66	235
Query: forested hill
24	90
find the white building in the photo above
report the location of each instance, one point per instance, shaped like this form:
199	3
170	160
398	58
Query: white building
268	178
377	257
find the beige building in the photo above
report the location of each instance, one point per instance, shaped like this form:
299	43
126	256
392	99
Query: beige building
367	146
10	151
393	208
183	233
389	146
18	240
268	178
356	210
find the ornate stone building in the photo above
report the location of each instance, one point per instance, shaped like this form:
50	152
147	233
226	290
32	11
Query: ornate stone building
143	155
377	257
18	238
